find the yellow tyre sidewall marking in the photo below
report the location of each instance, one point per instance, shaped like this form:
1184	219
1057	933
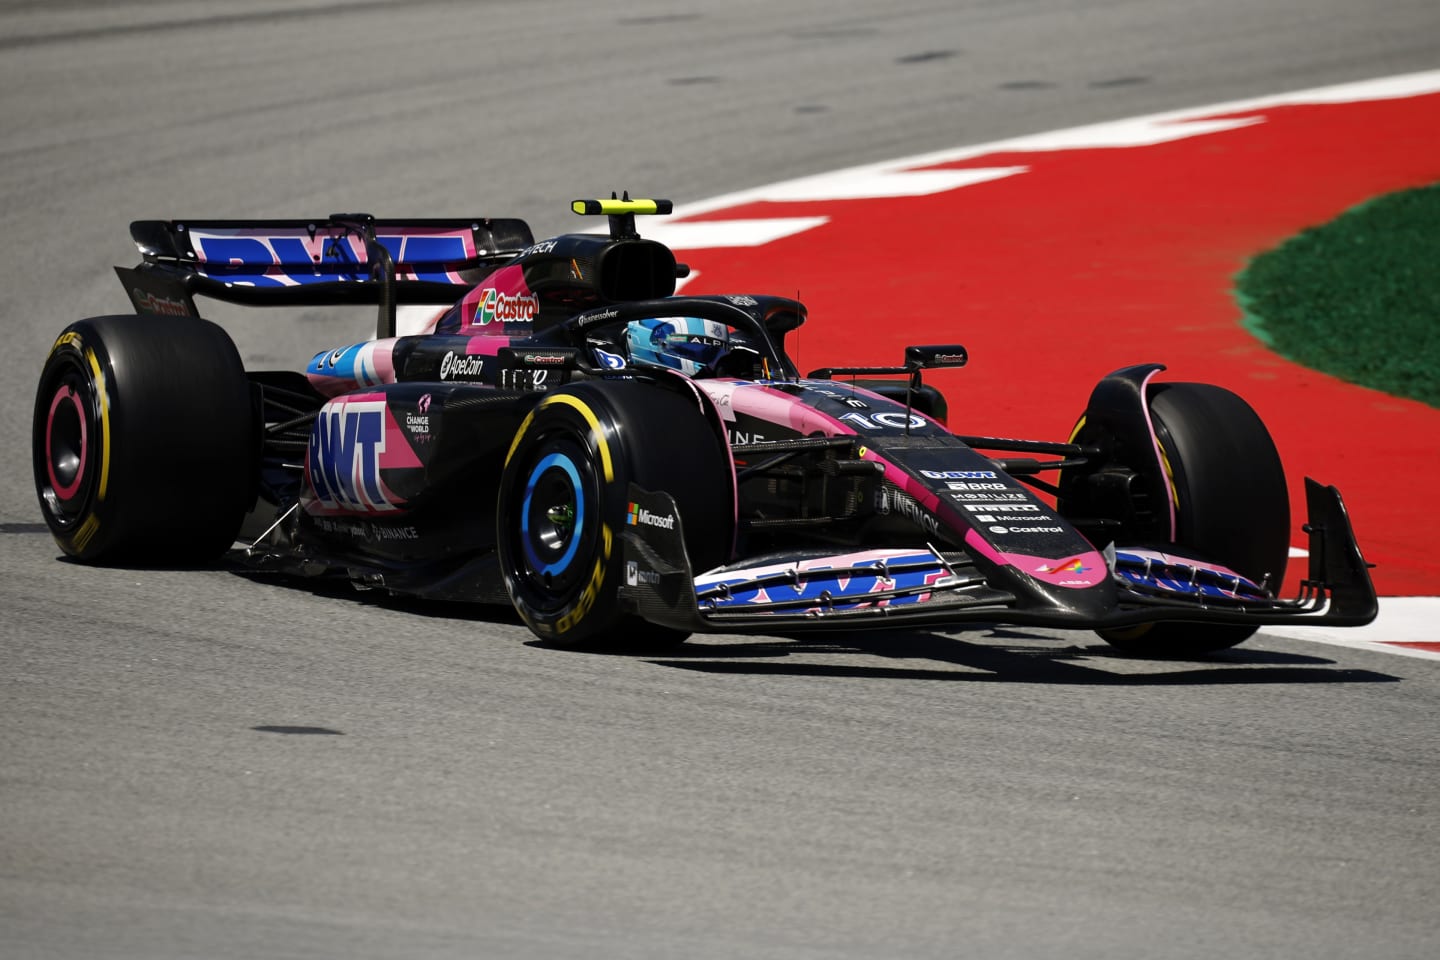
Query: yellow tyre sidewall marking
71	338
104	398
586	600
85	533
593	421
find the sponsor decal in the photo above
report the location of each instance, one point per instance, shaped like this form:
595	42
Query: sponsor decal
543	359
503	307
286	261
1148	568
1072	565
164	306
1012	518
424	403
610	361
977	486
1017	507
893	501
743	300
739	438
848	399
1185	586
1010	497
854	584
599	316
346	442
459	365
640	515
634	575
358	529
544	246
362	530
1027	529
958	475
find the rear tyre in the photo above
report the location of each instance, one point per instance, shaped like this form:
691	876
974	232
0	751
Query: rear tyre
1232	506
564	497
143	440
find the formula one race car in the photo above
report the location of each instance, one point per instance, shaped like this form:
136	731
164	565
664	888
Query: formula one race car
620	462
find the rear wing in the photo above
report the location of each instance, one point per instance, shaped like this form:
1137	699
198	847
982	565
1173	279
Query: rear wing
342	259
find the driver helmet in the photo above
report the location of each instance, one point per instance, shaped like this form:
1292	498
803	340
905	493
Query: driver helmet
688	344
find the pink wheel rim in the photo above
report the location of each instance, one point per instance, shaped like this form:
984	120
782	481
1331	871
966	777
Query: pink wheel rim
63	395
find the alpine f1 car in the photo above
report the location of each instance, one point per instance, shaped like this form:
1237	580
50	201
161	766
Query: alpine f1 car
568	435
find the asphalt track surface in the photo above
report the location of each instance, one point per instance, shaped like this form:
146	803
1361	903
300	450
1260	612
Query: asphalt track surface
196	764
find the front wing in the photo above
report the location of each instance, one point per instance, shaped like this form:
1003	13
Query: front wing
891	587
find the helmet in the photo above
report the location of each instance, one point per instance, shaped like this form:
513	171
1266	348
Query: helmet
688	344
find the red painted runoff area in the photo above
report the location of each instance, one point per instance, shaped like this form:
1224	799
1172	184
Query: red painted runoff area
1420	645
1092	259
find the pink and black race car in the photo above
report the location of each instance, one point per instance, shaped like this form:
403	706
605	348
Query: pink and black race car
623	464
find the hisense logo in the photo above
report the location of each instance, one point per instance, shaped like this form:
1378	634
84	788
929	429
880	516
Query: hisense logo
639	514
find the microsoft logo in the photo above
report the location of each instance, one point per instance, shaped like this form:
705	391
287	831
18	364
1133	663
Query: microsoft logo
638	515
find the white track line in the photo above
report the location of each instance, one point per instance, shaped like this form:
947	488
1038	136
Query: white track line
886	179
1401	620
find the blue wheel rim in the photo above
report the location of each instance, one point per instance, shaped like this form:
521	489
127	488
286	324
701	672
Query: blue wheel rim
531	534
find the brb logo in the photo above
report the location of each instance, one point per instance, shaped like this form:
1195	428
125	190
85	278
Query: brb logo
343	463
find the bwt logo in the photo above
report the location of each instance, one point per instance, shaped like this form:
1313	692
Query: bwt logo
958	474
286	261
344	457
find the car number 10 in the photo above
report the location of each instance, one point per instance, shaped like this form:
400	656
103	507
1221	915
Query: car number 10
879	421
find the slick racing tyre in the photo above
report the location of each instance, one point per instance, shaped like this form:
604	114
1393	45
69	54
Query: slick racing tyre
142	441
1232	507
564	496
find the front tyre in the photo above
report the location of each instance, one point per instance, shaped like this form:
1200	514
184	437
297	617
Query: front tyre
1231	505
557	545
142	440
564	496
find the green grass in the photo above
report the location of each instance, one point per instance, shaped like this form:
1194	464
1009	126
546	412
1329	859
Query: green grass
1359	297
